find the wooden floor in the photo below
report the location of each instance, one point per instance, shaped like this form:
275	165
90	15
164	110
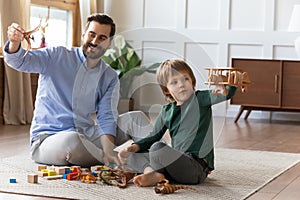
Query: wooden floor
279	136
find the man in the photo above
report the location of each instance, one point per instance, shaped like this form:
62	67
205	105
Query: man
74	83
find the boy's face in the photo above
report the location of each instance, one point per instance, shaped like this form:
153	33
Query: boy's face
96	39
180	86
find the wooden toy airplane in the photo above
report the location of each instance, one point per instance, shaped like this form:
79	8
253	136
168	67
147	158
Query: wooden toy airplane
228	76
27	36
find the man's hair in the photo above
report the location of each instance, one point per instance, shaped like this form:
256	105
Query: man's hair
102	19
171	67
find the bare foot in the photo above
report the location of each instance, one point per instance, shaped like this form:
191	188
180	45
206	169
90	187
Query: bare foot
148	179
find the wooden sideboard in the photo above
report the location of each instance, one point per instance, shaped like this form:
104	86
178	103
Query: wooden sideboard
275	86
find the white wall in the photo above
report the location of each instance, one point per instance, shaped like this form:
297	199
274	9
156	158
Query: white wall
206	33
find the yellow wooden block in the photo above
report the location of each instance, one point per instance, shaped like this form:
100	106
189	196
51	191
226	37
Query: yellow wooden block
51	172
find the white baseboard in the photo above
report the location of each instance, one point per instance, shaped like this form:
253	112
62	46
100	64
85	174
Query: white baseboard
233	110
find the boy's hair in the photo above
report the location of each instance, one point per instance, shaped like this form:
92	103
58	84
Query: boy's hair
102	19
170	67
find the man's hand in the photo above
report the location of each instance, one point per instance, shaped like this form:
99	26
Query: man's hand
15	35
109	156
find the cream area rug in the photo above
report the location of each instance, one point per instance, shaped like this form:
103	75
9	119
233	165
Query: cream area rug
238	174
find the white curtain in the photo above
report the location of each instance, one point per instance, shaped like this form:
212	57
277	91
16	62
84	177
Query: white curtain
18	106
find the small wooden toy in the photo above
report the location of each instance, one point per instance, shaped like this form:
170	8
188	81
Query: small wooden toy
60	170
116	177
32	178
163	187
54	177
50	172
228	76
12	180
41	167
75	168
68	171
42	174
98	168
28	36
85	175
72	176
88	177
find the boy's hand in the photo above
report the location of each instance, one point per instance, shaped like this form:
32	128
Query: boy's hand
125	153
220	89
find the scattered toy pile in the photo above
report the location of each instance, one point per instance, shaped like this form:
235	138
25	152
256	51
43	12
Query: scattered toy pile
101	173
96	173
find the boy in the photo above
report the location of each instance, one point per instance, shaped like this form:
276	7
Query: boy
188	117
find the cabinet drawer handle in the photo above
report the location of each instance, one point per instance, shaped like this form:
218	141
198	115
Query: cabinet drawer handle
276	83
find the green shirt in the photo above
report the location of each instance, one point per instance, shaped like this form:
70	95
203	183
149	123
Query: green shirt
190	125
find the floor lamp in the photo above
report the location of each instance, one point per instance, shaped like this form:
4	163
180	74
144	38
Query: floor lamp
295	26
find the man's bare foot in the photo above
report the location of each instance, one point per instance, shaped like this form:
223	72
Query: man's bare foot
148	179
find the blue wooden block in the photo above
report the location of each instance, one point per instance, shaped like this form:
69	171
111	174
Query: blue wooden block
95	174
12	180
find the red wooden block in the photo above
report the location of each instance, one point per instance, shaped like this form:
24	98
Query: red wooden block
72	176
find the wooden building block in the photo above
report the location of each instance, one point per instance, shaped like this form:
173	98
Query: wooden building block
53	177
12	180
72	176
41	167
68	171
96	168
42	174
51	172
32	178
60	170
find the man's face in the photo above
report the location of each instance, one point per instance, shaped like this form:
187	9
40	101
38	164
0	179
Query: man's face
96	40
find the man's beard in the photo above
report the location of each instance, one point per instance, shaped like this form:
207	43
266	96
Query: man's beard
95	53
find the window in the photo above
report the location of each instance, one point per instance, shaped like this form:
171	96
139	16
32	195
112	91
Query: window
64	27
58	27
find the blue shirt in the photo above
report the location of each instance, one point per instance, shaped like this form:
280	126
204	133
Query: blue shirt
68	92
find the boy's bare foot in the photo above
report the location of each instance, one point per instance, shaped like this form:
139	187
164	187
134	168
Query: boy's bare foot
148	179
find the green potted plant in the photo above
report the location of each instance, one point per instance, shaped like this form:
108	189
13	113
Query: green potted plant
123	58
